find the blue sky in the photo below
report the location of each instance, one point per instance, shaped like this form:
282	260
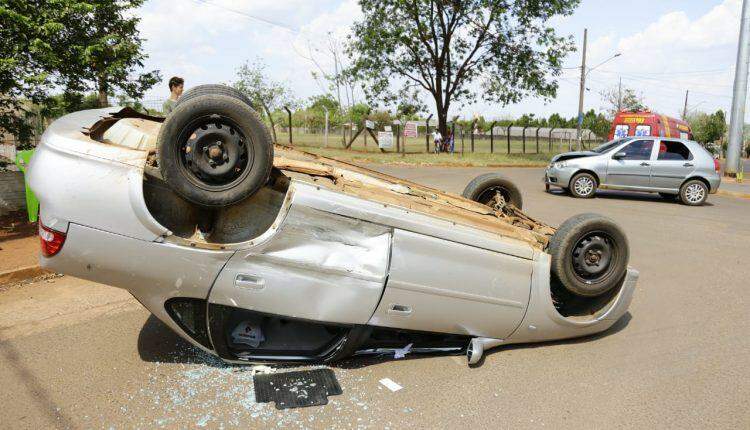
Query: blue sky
667	47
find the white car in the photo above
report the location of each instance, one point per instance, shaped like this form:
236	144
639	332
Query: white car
261	254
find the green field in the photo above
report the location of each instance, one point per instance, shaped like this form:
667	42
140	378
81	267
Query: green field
368	152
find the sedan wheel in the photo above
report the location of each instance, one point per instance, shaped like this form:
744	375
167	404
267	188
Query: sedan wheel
693	193
583	185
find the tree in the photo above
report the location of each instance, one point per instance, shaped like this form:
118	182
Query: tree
264	92
103	50
621	98
27	59
708	128
446	47
597	123
76	45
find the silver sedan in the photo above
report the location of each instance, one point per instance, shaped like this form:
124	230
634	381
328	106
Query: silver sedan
671	167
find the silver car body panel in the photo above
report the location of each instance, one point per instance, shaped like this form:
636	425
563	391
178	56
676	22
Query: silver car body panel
328	256
652	175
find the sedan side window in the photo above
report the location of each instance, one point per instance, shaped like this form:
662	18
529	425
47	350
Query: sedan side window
669	150
638	150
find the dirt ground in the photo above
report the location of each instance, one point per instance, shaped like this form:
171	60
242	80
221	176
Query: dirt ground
19	252
74	354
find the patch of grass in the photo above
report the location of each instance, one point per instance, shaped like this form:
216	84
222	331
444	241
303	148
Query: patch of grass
427	159
521	153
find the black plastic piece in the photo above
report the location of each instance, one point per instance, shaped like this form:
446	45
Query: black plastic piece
296	389
190	315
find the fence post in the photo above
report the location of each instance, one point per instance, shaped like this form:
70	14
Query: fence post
325	144
289	113
508	133
550	138
492	137
453	137
537	140
523	137
473	127
398	137
427	133
462	141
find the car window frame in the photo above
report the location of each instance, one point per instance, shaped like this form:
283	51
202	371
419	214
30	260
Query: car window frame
635	139
691	158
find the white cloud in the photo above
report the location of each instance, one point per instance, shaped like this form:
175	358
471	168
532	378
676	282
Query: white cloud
206	40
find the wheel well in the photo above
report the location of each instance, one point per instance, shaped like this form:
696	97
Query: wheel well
590	172
702	179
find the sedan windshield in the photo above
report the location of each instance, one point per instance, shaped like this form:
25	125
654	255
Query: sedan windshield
601	149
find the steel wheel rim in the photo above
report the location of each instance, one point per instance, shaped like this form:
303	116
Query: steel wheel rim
695	193
584	186
213	153
593	256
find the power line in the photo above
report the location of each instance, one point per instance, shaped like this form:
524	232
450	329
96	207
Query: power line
253	17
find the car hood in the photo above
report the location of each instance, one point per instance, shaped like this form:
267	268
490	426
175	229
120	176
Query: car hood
572	155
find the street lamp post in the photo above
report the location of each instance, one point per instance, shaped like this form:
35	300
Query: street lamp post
584	73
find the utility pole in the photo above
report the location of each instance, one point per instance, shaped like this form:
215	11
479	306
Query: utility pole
582	89
684	110
619	96
737	121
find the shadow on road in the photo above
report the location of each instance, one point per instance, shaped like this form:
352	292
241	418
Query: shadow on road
618	326
626	195
158	343
35	386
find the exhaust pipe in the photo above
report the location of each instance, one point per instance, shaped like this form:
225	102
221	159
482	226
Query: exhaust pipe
477	345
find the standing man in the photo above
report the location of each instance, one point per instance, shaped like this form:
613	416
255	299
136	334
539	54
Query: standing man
176	84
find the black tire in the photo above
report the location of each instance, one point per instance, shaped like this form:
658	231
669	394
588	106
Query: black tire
483	189
589	254
693	192
214	89
214	150
668	196
583	185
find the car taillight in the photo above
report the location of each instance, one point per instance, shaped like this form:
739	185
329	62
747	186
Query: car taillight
717	166
52	241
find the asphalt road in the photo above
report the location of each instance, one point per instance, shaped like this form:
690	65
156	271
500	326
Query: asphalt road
81	355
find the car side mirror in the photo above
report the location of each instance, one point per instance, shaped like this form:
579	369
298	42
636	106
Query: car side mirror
619	155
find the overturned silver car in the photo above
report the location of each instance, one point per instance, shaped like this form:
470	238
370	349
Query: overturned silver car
260	253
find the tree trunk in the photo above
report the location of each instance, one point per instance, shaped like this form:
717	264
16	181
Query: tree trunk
102	84
273	126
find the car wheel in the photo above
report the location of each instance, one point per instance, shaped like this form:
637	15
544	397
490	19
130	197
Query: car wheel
493	190
214	89
693	193
214	150
583	185
668	196
589	254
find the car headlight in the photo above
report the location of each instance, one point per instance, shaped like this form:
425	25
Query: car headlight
561	165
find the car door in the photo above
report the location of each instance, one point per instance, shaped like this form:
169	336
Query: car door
630	166
435	285
673	164
316	266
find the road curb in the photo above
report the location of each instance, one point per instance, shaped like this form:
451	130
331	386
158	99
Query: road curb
22	273
733	194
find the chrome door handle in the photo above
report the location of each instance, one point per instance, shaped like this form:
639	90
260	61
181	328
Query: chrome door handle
687	165
250	282
645	164
396	309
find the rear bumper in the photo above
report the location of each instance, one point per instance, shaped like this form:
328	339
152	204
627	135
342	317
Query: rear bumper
714	183
152	272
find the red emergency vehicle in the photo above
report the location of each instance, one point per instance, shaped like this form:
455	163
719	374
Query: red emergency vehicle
647	123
